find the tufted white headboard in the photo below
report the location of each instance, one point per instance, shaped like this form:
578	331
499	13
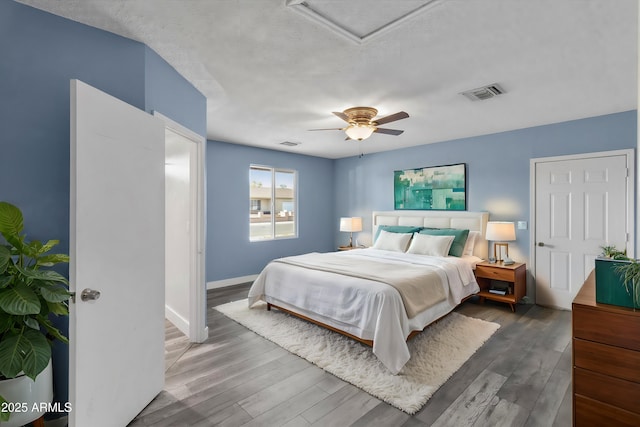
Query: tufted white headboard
472	221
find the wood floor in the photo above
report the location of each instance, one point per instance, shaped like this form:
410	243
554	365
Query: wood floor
520	377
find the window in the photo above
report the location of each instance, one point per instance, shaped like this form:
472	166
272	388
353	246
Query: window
273	203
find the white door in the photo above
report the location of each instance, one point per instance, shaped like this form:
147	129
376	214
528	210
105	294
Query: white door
581	204
116	350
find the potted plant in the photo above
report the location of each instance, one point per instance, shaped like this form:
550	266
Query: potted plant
617	278
630	273
30	291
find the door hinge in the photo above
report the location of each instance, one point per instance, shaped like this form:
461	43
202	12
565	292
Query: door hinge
73	297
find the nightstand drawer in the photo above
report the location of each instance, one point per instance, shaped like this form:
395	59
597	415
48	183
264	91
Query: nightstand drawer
495	273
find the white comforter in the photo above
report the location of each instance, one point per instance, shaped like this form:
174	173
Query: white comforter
367	309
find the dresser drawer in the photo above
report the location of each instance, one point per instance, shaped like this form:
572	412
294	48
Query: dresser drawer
621	329
590	412
614	391
608	360
495	273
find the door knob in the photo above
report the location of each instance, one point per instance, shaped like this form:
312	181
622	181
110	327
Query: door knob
89	295
540	244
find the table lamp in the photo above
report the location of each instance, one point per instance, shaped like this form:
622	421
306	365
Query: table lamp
351	224
500	232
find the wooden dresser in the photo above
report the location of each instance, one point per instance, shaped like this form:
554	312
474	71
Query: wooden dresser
606	362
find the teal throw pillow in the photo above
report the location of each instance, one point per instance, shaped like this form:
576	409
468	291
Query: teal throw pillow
460	238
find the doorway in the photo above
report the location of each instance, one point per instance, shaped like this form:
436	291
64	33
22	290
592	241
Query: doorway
185	291
579	204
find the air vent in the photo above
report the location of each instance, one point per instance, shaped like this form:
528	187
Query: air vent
289	143
483	93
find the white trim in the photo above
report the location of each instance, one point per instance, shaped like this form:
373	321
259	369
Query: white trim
630	155
216	284
178	321
304	9
197	322
272	209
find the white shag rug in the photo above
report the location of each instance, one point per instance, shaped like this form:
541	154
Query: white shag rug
436	354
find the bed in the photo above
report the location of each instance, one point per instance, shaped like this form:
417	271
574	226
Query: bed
363	304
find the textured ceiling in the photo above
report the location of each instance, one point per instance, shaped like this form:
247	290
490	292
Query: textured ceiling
270	72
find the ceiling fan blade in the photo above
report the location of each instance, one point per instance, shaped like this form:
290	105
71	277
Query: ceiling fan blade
342	115
392	118
389	131
329	129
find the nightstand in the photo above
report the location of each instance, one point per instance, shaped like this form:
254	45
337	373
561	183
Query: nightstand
347	248
515	275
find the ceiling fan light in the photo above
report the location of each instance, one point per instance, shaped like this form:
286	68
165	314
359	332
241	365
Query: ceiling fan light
359	132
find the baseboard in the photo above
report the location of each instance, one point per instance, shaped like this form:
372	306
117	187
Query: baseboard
230	282
178	321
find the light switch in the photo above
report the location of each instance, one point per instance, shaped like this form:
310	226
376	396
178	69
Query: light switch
522	225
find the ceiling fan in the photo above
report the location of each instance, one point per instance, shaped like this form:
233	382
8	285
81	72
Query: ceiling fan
362	125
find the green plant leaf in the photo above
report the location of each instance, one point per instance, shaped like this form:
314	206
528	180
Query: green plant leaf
48	246
32	323
46	275
6	322
11	221
31	249
52	330
54	294
4	415
52	259
58	308
11	355
19	300
37	353
5	258
5	280
15	241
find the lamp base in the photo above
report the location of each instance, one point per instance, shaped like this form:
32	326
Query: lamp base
500	251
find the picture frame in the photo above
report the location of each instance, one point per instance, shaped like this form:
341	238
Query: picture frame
431	188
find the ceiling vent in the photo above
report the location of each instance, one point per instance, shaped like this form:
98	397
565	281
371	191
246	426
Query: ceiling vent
289	143
483	93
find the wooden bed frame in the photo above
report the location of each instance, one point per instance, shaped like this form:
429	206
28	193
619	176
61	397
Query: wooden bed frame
347	334
473	221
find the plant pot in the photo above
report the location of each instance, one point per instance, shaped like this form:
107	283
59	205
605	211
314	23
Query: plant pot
610	288
26	393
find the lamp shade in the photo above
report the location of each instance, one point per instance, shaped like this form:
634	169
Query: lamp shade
502	231
352	224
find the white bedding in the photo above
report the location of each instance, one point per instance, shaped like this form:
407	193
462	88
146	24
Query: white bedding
367	309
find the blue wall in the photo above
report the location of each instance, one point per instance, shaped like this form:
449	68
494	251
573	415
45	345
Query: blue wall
169	93
40	53
230	254
497	168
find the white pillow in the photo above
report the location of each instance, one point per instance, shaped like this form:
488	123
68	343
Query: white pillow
397	242
426	244
471	243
